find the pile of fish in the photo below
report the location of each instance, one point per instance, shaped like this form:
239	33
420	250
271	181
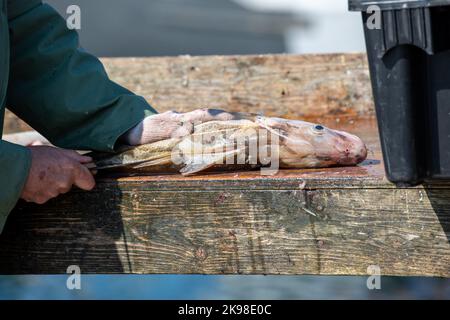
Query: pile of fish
260	142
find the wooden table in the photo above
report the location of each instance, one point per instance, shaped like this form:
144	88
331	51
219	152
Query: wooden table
336	221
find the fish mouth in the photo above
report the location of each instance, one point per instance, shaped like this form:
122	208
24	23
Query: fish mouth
352	149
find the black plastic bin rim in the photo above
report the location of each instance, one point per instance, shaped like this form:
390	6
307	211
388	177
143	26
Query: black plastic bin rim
362	5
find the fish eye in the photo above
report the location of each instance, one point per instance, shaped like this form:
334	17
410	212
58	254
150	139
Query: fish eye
319	127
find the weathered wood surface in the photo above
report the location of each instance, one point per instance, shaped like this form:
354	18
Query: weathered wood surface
278	85
12	124
259	226
325	221
333	221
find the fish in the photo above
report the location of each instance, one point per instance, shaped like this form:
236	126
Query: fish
308	145
256	142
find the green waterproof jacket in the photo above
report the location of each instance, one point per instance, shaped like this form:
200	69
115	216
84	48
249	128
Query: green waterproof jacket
58	89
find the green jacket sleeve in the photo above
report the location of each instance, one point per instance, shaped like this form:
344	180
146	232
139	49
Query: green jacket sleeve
15	163
62	91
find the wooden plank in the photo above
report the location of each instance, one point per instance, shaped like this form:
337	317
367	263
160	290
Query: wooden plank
12	124
334	221
322	221
292	86
140	227
281	85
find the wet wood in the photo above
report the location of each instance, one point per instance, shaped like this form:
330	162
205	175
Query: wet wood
290	86
334	221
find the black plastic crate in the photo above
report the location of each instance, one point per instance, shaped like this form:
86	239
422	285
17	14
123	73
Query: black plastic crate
409	58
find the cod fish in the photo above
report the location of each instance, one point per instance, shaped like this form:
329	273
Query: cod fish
260	142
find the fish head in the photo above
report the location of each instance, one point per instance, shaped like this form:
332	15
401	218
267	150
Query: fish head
315	143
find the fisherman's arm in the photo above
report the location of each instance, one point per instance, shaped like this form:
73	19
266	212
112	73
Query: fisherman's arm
15	162
65	94
38	174
60	90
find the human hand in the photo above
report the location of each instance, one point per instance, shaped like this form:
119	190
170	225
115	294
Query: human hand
172	125
53	172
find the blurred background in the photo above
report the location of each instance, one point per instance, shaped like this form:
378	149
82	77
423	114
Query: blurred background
200	27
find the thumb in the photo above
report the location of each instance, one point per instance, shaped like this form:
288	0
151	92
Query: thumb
83	178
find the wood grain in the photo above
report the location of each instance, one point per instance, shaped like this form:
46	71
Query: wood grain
281	85
139	228
334	221
292	86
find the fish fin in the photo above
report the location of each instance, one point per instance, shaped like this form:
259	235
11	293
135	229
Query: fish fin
202	164
195	167
280	133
